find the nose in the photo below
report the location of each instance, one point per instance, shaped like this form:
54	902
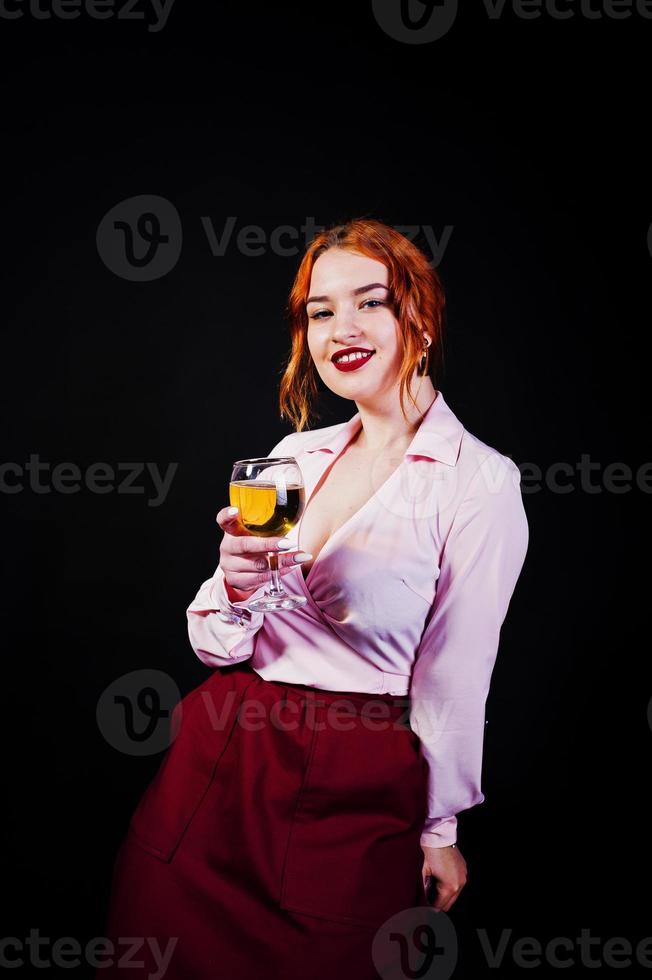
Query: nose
345	327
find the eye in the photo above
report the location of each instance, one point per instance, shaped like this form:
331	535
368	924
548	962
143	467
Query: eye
319	315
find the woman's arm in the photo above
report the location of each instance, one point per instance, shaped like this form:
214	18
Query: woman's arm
214	640
480	565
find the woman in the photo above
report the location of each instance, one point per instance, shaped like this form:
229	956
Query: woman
281	847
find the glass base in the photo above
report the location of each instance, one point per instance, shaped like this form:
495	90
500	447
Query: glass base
269	603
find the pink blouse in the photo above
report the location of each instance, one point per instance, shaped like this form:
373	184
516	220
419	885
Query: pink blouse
406	597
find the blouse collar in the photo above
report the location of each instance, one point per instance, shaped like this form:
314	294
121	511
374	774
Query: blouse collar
438	437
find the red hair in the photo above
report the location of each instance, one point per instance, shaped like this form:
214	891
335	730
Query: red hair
416	298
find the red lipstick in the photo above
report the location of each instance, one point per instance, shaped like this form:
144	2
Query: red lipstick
355	363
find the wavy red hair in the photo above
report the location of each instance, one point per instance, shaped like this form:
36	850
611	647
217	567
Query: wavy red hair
416	297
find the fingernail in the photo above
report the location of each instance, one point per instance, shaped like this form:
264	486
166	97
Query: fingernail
283	543
301	556
231	511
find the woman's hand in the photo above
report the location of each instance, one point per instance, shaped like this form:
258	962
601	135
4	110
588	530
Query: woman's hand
243	557
447	866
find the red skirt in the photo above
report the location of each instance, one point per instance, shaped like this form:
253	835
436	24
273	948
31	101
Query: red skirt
279	834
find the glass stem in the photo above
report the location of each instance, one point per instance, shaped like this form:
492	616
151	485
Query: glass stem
276	585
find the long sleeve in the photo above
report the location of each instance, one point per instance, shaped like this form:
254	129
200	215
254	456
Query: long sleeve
479	567
215	641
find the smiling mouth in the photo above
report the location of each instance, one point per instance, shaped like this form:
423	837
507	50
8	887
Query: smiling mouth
348	358
352	362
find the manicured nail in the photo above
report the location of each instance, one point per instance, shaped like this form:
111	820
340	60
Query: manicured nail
302	556
231	511
283	543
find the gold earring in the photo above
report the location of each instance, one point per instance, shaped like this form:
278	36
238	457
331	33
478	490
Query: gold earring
424	359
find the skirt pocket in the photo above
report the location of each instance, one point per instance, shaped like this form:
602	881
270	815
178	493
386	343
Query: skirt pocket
354	853
203	721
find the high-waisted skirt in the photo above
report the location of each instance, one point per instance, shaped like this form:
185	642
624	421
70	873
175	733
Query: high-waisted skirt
279	835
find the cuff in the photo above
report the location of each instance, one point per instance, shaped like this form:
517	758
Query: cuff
234	612
439	832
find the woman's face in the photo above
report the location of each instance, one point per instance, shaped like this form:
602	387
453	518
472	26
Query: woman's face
348	306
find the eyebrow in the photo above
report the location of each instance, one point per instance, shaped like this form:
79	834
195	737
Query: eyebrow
354	292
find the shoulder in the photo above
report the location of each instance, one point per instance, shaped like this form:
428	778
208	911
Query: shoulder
485	472
490	511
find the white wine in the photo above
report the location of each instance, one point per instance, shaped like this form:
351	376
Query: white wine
269	493
267	510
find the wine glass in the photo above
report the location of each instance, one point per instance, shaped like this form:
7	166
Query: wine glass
270	493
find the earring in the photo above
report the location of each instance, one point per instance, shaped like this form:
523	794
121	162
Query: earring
424	358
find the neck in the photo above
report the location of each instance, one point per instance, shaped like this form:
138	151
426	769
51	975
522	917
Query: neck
383	424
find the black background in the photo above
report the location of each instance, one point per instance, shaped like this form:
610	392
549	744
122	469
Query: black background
528	137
